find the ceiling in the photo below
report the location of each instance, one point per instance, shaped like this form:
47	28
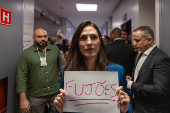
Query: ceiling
67	9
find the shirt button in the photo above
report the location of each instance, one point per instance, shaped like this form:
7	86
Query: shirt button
46	72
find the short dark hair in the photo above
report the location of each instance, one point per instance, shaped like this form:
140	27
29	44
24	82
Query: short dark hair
146	31
125	31
65	41
107	37
116	31
75	59
52	40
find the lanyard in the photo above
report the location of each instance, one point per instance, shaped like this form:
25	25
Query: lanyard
39	53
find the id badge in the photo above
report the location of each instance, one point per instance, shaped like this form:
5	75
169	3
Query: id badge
43	61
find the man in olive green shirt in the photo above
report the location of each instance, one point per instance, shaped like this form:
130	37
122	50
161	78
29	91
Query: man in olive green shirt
38	67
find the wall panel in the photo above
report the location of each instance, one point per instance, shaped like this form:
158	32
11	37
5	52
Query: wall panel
10	50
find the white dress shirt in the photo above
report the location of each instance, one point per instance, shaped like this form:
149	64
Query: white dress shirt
139	65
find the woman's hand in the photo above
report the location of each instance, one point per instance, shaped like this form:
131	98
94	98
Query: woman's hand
60	100
123	99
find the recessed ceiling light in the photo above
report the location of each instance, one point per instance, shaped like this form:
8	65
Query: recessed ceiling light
86	7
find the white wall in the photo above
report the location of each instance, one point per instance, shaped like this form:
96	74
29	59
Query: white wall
10	50
70	30
164	25
28	23
46	24
64	27
157	7
147	13
104	29
141	13
129	7
50	26
109	25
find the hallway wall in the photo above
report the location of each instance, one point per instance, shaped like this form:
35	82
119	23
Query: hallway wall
104	29
129	7
141	13
28	23
164	37
147	13
70	30
50	27
10	50
46	24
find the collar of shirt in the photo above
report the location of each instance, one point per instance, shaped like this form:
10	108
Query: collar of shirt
117	39
35	48
149	50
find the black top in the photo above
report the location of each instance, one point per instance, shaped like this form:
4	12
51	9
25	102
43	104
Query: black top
121	53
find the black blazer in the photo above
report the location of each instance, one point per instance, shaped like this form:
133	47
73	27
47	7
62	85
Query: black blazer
152	87
121	53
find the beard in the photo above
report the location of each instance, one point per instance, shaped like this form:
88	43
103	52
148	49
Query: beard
41	44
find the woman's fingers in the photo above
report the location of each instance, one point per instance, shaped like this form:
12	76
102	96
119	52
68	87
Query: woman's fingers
117	92
62	96
57	103
120	88
63	99
63	92
123	97
60	99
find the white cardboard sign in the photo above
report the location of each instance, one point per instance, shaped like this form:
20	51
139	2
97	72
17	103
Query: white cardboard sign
91	91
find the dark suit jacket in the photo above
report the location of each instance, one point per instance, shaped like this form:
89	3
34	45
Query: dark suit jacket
152	87
121	53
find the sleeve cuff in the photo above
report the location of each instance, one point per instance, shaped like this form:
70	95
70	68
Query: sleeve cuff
20	89
129	84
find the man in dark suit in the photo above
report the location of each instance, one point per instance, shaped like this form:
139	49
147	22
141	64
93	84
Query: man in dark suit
119	52
150	83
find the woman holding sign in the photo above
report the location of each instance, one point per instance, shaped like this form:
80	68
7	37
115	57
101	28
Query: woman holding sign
87	53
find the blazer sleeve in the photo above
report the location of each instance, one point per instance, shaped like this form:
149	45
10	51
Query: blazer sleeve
161	82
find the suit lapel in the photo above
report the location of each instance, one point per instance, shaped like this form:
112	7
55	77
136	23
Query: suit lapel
146	61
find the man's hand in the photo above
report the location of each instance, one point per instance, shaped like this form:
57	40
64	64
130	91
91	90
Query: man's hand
25	106
24	103
128	78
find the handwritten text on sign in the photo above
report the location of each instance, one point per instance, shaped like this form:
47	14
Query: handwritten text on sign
91	91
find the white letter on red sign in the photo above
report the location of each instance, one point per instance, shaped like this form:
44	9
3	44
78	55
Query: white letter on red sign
5	16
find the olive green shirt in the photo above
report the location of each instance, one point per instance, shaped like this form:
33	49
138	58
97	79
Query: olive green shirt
42	80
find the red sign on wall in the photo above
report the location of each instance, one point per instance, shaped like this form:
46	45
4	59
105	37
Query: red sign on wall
5	16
